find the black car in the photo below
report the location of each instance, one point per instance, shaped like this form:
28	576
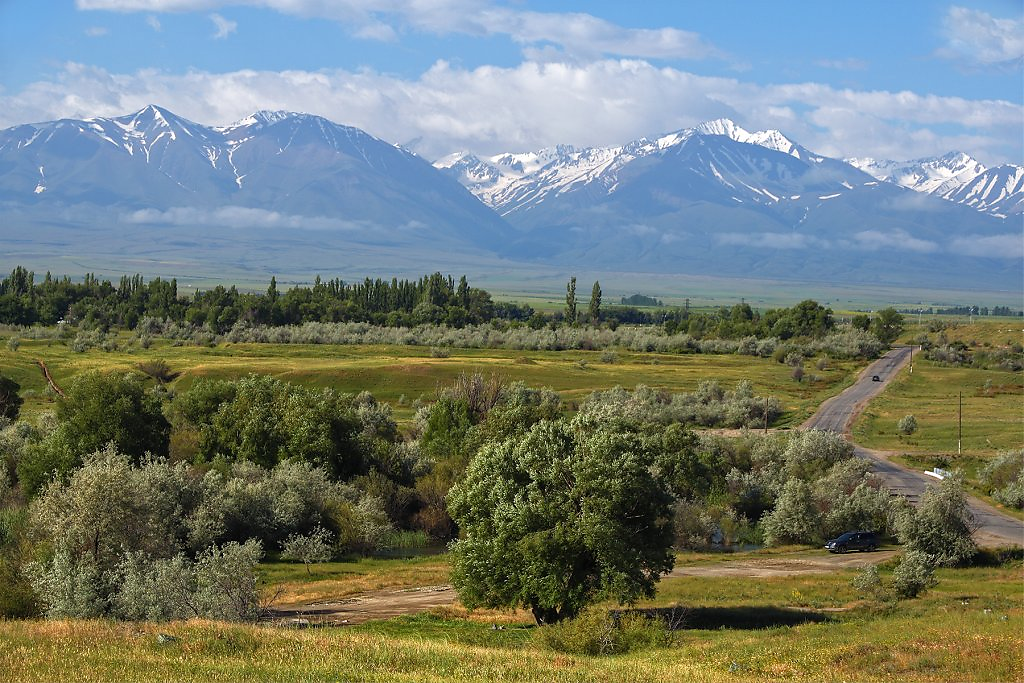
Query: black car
876	378
853	540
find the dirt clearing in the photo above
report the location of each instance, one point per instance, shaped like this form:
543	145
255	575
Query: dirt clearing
385	604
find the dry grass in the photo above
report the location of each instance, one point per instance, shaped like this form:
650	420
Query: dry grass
336	580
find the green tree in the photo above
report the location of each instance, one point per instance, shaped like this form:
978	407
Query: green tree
560	517
795	518
98	409
308	548
570	301
10	400
887	325
595	303
108	505
103	408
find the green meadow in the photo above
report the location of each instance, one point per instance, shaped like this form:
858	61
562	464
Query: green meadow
400	374
992	410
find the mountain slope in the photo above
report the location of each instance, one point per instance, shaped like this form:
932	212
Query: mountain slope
955	177
282	191
717	199
273	170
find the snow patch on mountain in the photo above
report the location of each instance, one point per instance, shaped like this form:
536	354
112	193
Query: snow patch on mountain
956	177
512	182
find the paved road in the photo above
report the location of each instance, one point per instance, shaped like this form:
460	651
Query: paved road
838	413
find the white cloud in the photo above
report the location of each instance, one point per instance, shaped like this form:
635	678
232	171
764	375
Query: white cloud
600	103
874	240
995	246
239	217
577	34
772	240
96	31
977	39
154	23
225	27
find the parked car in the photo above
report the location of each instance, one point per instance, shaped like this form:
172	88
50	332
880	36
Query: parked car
853	540
876	378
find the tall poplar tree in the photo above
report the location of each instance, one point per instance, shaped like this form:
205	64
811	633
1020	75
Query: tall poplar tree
595	302
570	301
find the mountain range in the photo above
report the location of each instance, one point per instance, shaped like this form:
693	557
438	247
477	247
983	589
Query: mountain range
281	190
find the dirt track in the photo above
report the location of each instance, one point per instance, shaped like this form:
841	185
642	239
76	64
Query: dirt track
366	607
783	566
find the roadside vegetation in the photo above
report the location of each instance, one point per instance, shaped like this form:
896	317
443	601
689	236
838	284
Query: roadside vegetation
966	419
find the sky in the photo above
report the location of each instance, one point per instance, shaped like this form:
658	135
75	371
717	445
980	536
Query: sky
873	78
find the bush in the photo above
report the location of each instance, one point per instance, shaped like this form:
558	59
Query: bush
309	548
226	581
154	589
940	526
907	425
17	599
1003	478
868	582
597	632
220	585
913	575
10	400
68	589
709	406
795	518
158	369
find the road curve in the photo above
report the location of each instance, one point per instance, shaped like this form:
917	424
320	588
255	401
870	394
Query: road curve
838	413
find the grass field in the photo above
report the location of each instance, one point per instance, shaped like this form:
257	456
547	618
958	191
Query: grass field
973	331
391	372
337	580
807	628
993	417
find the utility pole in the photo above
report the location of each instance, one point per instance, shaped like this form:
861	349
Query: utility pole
911	359
766	416
960	425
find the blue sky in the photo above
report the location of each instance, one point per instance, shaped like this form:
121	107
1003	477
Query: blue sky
886	79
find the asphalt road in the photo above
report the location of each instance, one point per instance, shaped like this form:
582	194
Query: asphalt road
837	414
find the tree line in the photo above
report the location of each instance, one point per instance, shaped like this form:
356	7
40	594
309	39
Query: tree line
436	299
99	303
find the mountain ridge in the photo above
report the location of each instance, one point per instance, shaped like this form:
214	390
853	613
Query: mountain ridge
282	187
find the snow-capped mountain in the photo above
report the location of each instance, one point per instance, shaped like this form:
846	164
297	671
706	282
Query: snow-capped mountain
717	198
280	190
272	169
998	190
511	183
956	177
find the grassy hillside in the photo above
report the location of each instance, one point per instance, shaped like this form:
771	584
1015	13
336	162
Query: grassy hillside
803	628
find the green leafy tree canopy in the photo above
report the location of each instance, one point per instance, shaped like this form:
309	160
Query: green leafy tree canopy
560	517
